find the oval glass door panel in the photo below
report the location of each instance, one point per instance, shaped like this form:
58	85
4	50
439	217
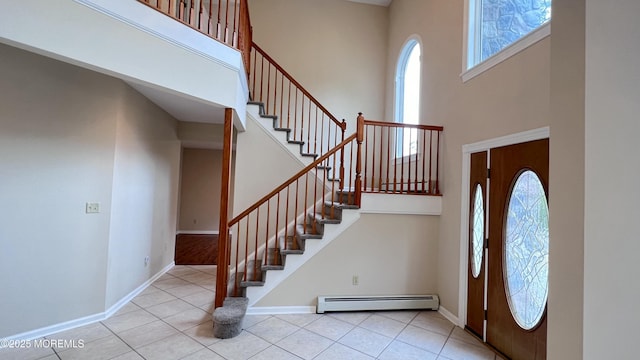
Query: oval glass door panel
478	231
526	257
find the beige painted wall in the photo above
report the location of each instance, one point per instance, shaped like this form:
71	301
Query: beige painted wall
200	189
56	149
612	167
145	194
70	136
336	49
261	165
380	249
511	97
566	182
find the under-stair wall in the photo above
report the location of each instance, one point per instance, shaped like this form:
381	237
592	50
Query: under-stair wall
389	254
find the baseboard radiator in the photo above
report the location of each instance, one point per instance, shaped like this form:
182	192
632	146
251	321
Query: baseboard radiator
388	302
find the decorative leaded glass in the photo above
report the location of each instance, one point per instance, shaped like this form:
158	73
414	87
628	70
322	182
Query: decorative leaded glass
505	21
478	231
526	252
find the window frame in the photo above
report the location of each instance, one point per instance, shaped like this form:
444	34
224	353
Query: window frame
399	93
471	42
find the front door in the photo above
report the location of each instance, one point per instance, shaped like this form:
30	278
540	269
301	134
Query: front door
518	250
476	266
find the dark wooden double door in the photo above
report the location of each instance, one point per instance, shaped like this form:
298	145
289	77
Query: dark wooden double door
488	312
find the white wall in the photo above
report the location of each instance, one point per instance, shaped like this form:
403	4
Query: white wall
145	194
612	167
70	136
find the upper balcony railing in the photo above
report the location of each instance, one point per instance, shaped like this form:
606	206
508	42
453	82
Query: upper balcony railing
227	21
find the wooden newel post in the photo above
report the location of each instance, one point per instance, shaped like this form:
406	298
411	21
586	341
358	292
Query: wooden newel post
359	140
222	274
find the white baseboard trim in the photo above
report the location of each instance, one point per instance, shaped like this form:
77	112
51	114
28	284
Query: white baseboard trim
449	315
72	324
281	310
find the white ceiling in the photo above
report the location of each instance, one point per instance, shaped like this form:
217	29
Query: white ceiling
373	2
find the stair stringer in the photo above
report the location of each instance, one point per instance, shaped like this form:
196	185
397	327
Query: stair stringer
294	262
253	113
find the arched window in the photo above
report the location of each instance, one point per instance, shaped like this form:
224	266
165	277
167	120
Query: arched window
407	100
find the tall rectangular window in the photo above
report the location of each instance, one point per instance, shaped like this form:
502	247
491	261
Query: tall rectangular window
496	24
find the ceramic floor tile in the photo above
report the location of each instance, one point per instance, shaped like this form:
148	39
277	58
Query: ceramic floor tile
128	321
184	290
145	301
210	287
241	347
101	349
354	318
87	333
208	269
200	278
330	327
273	329
339	352
182	271
432	322
423	339
166	276
462	335
50	357
273	353
202	297
459	350
188	319
305	344
366	341
202	333
300	320
204	354
170	283
131	355
250	320
129	307
147	334
210	307
174	347
22	353
150	290
398	350
169	308
383	325
404	316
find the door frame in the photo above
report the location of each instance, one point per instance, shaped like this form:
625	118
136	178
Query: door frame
467	150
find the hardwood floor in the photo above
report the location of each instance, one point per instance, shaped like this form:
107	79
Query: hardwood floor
196	249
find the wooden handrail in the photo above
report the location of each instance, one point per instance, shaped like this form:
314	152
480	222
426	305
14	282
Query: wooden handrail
417	147
394	124
299	86
291	180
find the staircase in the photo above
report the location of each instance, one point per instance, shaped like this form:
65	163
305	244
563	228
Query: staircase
323	218
276	235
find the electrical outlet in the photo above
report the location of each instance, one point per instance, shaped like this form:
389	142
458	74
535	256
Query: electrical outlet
355	280
146	261
92	208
